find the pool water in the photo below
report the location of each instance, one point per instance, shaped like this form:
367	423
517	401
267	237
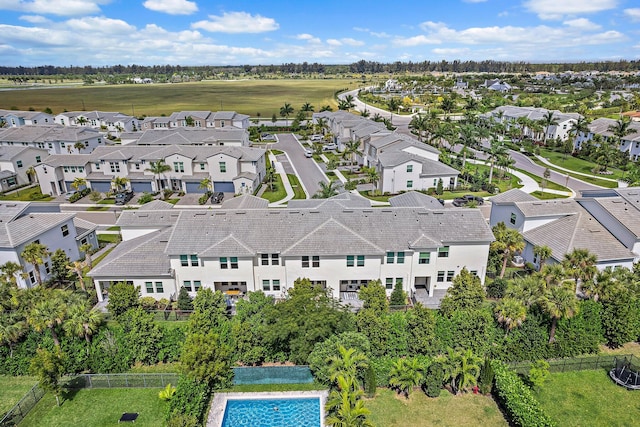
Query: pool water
303	412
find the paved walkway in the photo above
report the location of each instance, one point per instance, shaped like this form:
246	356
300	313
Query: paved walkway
279	168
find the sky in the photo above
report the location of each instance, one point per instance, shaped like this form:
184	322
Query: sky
238	32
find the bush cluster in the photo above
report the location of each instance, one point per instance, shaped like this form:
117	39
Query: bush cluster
79	195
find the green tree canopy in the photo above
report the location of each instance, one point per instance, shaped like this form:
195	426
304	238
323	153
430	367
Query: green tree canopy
466	293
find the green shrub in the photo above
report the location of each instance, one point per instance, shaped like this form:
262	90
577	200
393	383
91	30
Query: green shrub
382	367
485	382
145	198
203	199
496	288
433	380
516	399
370	383
190	400
79	195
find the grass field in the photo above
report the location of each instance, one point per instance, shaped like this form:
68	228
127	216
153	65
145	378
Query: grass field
628	348
390	410
26	195
247	97
278	192
98	407
297	188
12	390
576	164
588	398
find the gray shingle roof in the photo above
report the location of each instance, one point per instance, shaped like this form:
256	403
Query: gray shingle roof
57	160
187	136
245	201
83	227
156	205
344	200
541	208
9	152
30	226
415	199
42	133
512	196
148	218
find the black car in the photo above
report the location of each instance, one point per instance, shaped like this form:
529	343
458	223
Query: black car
124	197
217	197
466	199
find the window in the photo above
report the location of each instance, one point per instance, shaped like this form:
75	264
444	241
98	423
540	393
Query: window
223	167
424	258
443	252
400	257
47	268
19	163
409	168
513	219
80	169
178	166
315	261
202	166
137	166
65	230
197	285
450	275
409	184
194	261
266	285
474	272
265	259
305	261
275	259
360	261
97	165
234	262
187	285
389	283
390	257
184	261
223	263
275	284
159	287
38	160
350	260
440	276
32	277
115	166
149	286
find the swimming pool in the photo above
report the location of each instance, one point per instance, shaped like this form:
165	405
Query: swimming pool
282	412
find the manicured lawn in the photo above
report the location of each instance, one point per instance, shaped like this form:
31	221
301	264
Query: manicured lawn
109	238
27	195
13	388
550	184
546	196
101	257
278	192
588	398
628	348
389	409
97	208
575	163
98	407
107	202
247	96
297	188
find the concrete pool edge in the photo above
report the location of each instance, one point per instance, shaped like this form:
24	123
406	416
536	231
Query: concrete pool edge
219	403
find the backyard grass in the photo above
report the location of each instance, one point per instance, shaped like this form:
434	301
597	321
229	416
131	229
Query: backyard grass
628	348
247	97
389	409
98	407
109	238
576	164
97	260
588	398
13	389
547	196
278	192
26	195
297	188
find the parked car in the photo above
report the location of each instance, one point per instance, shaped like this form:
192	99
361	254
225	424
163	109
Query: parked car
308	153
315	138
466	199
268	137
217	197
123	197
441	201
329	147
69	194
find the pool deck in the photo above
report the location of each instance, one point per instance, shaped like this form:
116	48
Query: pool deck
216	412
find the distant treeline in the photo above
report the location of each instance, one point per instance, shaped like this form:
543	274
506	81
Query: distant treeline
362	67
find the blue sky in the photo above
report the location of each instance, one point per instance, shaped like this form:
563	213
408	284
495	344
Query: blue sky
220	32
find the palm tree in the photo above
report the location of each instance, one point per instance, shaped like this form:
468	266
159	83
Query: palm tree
10	271
405	374
206	184
285	111
31	174
418	125
119	183
510	313
82	322
621	129
553	274
559	303
496	151
35	254
448	105
79	146
347	363
326	190
158	169
548	120
77	267
442	132
372	176
48	314
87	248
307	108
462	368
345	405
527	290
508	242
81	120
12	328
78	182
365	113
581	265
352	149
580	126
326	108
542	253
605	155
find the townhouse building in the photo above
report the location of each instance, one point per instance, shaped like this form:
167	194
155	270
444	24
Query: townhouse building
104	121
198	119
236	170
22	223
14	118
339	244
230	137
629	144
403	163
509	115
16	163
55	139
603	223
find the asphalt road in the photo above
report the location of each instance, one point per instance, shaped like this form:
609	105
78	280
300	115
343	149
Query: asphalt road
306	168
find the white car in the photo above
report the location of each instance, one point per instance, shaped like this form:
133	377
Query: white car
329	147
315	138
308	153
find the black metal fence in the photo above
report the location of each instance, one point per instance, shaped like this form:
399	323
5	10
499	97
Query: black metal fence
129	380
575	363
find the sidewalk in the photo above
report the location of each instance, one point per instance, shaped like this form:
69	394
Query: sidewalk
285	181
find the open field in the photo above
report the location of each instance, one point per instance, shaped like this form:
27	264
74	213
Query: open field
628	348
98	407
389	409
247	97
588	398
13	389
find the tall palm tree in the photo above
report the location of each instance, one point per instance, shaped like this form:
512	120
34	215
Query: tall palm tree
12	328
418	125
77	267
285	111
496	151
10	271
581	265
510	312
120	183
548	120
405	374
372	176
605	155
35	254
78	183
508	242
82	322
553	274
158	169
352	149
47	314
621	129
542	253
81	120
86	249
559	303
326	190
580	126
206	184
347	363
79	146
307	108
528	289
448	105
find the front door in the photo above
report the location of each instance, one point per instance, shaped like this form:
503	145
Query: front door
176	184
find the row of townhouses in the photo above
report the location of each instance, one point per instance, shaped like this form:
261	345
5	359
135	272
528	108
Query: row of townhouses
509	115
629	144
238	170
403	163
22	223
605	222
16	165
54	138
340	243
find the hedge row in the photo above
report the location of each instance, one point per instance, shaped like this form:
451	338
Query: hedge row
520	405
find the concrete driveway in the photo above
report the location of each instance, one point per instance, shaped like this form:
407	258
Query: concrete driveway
307	169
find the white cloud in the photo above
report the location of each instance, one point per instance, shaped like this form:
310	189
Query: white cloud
172	7
34	19
555	9
345	41
237	22
378	34
100	25
309	38
634	13
451	51
416	41
582	24
334	42
54	7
